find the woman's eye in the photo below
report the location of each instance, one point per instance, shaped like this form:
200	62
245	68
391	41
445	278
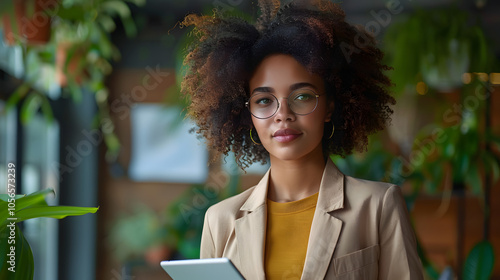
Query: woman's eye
303	97
263	101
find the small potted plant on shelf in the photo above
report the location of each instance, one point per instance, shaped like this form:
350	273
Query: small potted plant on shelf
138	236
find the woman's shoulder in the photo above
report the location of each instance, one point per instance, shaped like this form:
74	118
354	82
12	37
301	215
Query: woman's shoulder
372	198
368	188
229	206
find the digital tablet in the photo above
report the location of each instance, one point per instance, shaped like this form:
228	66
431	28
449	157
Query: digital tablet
216	269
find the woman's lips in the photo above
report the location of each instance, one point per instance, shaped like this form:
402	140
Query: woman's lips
286	135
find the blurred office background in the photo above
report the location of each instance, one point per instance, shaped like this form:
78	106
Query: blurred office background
90	107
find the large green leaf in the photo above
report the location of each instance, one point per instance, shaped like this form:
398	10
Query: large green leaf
36	198
26	207
34	206
57	212
479	263
22	265
21	201
4	210
5	197
4	247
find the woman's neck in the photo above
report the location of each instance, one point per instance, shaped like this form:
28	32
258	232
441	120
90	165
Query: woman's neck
292	180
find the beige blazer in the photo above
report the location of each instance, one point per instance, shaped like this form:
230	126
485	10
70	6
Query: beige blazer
360	230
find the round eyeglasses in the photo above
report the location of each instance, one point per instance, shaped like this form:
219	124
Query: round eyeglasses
264	105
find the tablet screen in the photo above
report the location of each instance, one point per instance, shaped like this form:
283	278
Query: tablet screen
217	269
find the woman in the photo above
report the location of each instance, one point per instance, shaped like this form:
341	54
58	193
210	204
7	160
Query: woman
294	88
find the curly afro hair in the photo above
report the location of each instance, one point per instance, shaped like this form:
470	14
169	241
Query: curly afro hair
226	50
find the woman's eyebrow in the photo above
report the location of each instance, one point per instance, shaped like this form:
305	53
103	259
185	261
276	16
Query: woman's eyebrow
302	85
292	87
263	89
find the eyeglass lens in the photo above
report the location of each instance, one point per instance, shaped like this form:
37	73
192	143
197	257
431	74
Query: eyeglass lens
264	105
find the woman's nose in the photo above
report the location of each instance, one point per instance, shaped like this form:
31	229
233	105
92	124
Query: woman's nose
284	111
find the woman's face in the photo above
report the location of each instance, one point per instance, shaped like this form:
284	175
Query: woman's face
289	135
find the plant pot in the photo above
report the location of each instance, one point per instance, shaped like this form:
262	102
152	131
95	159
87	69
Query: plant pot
34	29
74	68
157	254
444	73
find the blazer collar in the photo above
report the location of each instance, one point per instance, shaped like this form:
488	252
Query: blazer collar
331	191
258	196
251	231
325	229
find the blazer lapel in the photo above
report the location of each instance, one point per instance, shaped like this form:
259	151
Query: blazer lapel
251	231
325	229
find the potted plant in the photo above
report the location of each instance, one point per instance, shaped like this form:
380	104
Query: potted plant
77	57
439	49
15	253
27	20
435	46
138	235
183	219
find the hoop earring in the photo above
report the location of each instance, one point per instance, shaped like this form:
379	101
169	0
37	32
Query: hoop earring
252	138
333	130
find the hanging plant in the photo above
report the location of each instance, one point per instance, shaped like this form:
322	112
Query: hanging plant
77	57
27	21
436	47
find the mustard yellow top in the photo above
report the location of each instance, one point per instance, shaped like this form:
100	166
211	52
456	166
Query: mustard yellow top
288	227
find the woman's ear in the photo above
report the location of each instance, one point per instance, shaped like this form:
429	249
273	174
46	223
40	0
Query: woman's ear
329	111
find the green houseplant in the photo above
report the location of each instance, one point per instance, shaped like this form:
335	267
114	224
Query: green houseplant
78	57
15	252
436	46
458	161
439	48
144	235
21	21
183	220
449	47
137	235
